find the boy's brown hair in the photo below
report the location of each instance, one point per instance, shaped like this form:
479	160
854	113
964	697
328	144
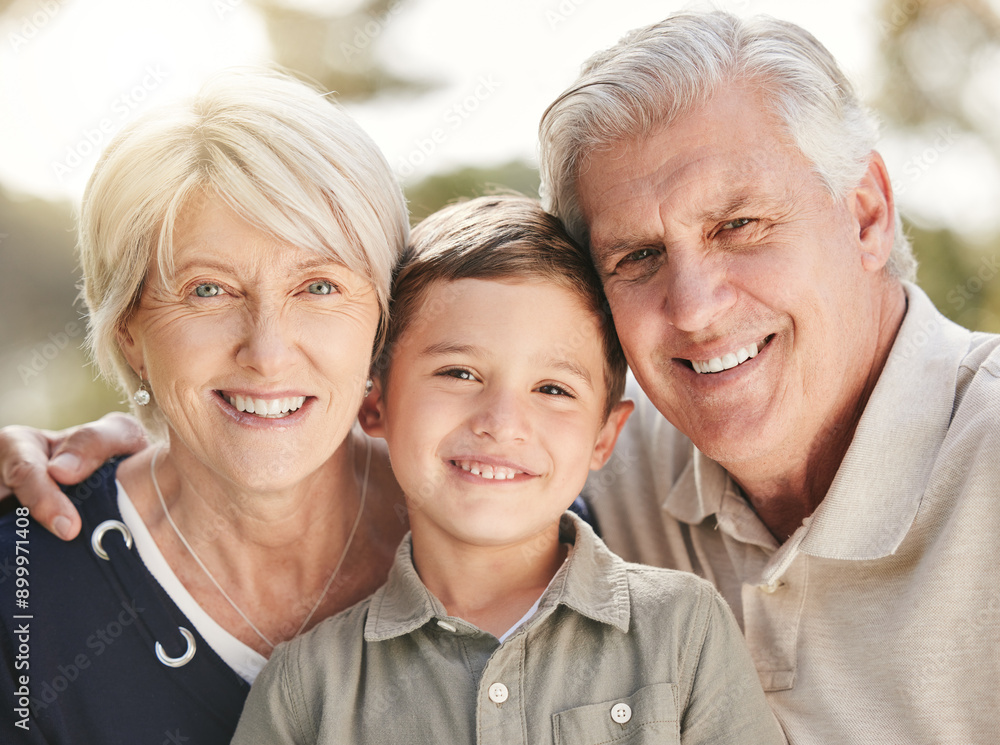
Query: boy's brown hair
503	237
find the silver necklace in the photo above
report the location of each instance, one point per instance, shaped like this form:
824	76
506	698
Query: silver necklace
326	587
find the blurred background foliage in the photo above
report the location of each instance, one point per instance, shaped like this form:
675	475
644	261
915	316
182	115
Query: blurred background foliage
932	54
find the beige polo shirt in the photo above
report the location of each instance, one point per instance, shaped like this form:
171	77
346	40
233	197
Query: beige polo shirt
615	653
878	621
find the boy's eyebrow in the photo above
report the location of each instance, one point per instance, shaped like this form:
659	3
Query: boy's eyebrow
573	369
445	348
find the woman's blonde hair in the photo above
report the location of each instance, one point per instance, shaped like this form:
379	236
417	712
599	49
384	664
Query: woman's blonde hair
282	155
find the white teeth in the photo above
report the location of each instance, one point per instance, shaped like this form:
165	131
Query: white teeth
728	360
274	408
497	473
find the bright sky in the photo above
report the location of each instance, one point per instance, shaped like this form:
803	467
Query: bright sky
72	72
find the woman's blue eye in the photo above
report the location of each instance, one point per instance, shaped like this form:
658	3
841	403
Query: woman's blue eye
207	290
321	287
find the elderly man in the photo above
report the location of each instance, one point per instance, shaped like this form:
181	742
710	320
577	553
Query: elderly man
814	437
834	460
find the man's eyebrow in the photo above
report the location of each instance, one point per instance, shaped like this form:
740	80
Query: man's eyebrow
739	205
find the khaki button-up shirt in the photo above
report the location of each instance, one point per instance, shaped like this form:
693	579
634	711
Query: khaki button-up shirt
615	653
878	621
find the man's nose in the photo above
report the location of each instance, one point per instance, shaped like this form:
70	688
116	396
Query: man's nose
696	289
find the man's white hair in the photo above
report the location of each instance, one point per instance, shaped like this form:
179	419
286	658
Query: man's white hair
656	74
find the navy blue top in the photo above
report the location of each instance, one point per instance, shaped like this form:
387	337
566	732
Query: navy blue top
88	645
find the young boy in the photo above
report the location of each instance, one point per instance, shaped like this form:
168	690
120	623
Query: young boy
505	618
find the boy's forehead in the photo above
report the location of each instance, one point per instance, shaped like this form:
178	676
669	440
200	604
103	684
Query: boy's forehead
543	317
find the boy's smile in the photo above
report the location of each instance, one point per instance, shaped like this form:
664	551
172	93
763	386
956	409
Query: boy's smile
494	411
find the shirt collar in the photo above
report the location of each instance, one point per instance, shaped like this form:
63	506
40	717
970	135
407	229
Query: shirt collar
876	492
591	582
875	495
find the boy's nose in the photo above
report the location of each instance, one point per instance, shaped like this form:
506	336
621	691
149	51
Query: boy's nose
502	416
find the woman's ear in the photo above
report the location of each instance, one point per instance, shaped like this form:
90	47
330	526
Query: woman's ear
372	412
130	349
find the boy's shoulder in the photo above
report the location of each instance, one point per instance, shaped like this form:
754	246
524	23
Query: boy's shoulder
657	596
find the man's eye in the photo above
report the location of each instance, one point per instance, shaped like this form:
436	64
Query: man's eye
321	287
207	289
737	223
640	255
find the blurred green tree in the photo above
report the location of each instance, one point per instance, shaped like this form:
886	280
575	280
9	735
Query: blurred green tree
939	63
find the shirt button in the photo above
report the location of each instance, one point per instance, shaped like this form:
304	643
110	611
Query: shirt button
621	713
498	693
447	626
772	587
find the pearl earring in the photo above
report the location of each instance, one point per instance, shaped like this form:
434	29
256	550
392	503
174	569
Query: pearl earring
141	396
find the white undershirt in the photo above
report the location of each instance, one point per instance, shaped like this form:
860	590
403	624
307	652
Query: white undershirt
245	661
524	619
531	611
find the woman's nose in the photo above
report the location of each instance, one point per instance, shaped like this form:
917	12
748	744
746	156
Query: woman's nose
268	346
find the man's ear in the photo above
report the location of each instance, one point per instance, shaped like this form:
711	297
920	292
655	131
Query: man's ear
874	210
372	413
608	435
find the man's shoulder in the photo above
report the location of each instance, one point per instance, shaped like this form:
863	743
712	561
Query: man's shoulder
977	397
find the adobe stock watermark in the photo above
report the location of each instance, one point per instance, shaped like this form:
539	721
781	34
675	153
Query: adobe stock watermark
454	117
900	15
49	691
962	293
122	107
42	354
559	14
916	166
225	7
369	30
32	25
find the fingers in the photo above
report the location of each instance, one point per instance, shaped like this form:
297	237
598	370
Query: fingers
83	449
27	470
24	460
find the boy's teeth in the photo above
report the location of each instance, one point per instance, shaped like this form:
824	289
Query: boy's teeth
274	408
728	360
499	473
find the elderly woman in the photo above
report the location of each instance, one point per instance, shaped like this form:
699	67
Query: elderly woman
237	253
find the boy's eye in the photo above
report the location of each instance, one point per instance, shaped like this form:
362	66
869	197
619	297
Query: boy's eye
458	373
207	289
321	287
553	390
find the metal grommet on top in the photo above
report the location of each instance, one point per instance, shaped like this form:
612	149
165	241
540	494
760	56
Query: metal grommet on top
184	658
100	530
